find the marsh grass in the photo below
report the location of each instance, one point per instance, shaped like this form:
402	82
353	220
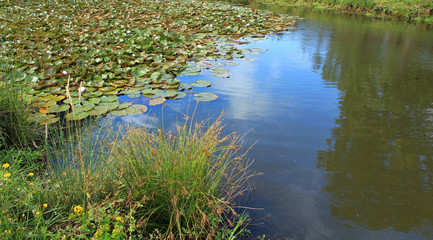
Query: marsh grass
137	182
17	129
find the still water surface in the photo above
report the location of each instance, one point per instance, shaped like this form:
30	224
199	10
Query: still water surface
342	112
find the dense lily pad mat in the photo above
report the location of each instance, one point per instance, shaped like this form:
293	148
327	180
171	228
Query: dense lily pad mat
114	47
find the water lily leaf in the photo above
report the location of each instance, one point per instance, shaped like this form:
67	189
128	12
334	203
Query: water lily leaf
249	59
156	101
46	104
50	119
201	83
107	89
124	105
220	72
185	86
49	98
123	112
72	116
139	108
191	71
83	107
205	97
114	92
170	93
151	92
99	110
180	95
231	63
260	49
110	105
57	108
95	101
110	98
142	71
134	95
74	100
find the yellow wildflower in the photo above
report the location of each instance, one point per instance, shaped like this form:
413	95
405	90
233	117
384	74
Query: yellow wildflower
119	219
7	231
31	184
78	210
45	205
37	213
31	174
6	165
6	175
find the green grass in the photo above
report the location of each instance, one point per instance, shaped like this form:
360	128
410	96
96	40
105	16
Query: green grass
17	129
419	11
128	183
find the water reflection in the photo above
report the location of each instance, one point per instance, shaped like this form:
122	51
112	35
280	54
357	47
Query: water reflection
380	156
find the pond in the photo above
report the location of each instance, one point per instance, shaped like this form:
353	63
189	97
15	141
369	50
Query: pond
341	111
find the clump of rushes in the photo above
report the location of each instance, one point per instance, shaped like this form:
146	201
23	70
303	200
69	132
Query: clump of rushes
150	184
17	128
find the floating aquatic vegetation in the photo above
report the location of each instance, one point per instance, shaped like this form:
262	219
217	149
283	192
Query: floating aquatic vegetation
205	96
102	49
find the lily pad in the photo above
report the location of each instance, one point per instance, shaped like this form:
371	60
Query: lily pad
205	97
249	59
95	101
50	119
139	108
57	108
201	83
110	105
72	116
156	101
123	112
99	110
185	86
191	71
220	72
180	95
110	98
231	63
124	105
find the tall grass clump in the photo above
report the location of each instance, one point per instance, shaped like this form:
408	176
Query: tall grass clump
142	183
17	128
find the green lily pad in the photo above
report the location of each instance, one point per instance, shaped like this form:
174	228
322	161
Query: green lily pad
156	101
50	119
134	95
180	95
99	110
231	63
205	97
57	108
110	105
72	116
201	83
110	98
139	108
170	93
123	112
151	92
249	59
191	71
95	101
124	105
185	86
220	72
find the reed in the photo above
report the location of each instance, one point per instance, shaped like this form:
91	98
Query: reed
149	183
